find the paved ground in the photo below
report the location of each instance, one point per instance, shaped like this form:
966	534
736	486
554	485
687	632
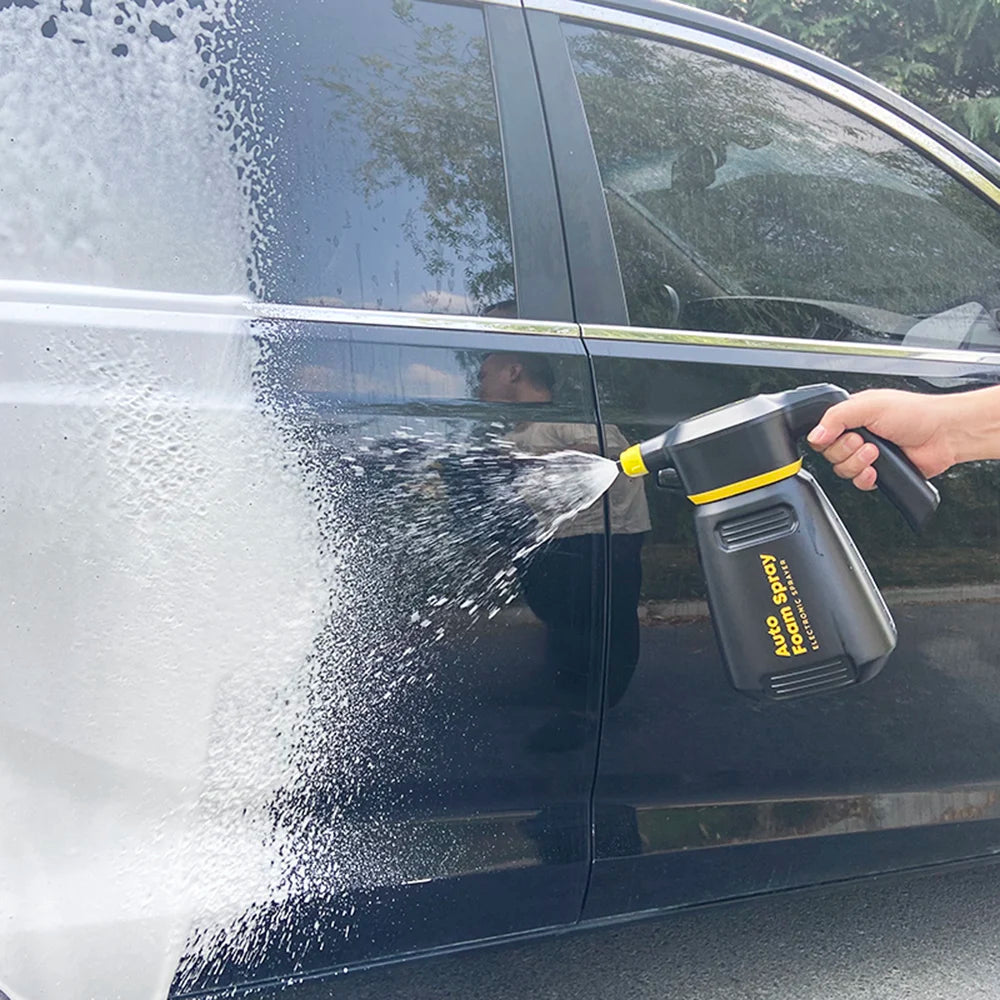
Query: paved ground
925	936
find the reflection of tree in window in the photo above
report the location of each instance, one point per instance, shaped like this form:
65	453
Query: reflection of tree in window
429	118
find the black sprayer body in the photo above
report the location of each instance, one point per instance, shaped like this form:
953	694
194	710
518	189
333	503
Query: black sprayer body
795	609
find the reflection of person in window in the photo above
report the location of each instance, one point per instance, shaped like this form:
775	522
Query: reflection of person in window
556	581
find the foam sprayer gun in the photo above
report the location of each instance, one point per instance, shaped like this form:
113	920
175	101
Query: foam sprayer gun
795	609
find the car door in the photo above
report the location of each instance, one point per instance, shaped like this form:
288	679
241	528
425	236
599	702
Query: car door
280	698
762	223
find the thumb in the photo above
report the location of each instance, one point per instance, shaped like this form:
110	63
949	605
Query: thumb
858	411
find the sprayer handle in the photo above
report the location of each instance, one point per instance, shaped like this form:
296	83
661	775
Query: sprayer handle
899	480
901	483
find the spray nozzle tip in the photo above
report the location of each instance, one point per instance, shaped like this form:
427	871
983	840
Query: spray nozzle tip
631	462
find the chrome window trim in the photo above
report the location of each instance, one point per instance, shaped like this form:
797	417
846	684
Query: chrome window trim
67	304
62	304
62	293
780	67
424	321
697	338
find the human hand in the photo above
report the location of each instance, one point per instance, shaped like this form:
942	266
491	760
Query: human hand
927	428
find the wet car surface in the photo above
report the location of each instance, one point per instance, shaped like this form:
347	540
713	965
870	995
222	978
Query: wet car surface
307	673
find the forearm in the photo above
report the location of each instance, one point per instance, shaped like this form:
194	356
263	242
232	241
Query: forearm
972	423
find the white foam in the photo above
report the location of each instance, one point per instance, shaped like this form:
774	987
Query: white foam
193	635
163	575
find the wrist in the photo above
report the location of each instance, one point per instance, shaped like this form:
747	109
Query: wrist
972	424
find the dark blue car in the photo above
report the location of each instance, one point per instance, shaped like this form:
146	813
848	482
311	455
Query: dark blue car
296	680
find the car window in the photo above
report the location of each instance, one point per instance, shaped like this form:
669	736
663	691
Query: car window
390	189
741	202
305	152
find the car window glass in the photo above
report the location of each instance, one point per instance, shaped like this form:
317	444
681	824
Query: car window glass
740	202
306	152
387	163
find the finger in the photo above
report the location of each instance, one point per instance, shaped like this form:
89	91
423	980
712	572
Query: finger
854	465
857	411
866	478
843	448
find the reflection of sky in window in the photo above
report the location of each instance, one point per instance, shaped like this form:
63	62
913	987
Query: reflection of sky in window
790	130
378	373
806	136
333	244
778	157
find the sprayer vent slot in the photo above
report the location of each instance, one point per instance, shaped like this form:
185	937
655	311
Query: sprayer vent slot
760	526
811	680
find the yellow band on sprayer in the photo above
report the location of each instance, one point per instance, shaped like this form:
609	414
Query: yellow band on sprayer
745	485
631	462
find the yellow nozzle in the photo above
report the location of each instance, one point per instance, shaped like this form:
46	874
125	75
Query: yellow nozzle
631	463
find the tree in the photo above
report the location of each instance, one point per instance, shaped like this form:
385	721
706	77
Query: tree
941	54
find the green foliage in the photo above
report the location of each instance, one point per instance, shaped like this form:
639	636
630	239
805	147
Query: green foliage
978	118
942	54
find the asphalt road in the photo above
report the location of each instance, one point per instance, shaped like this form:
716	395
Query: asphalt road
922	936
